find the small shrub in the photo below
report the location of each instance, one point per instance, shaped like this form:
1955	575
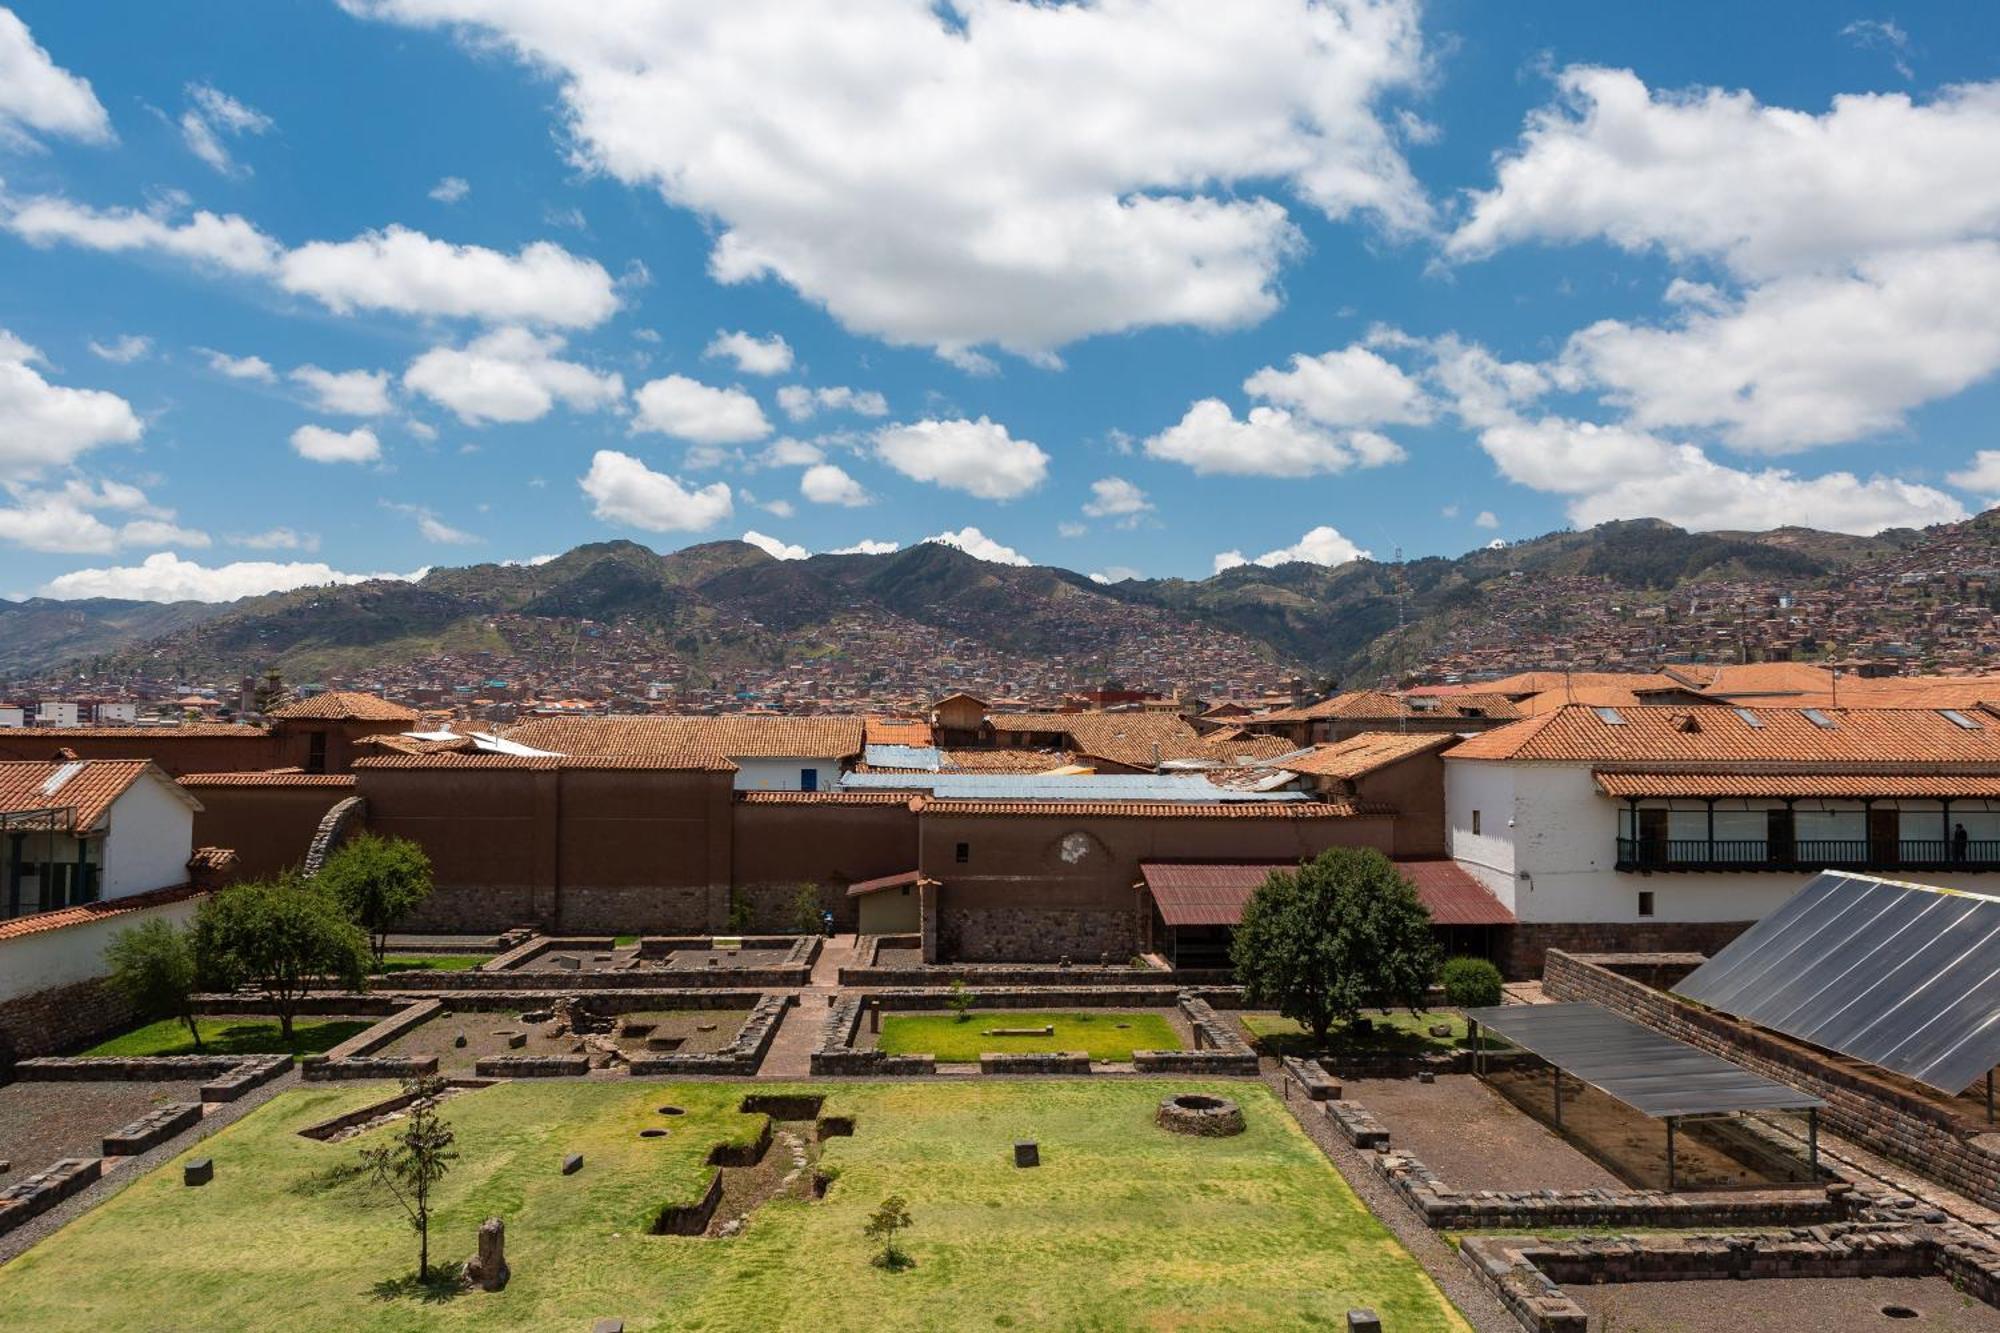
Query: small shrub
886	1221
1470	983
961	999
739	913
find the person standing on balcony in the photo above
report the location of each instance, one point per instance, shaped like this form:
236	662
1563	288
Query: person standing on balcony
1958	842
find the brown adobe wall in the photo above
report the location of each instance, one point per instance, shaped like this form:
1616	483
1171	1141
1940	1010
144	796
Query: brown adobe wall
777	847
268	827
1906	1129
1414	788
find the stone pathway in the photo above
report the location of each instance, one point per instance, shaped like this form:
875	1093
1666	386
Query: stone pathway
790	1056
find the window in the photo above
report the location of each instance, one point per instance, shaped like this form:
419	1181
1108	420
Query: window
1645	902
1750	719
1475	821
963	853
316	752
1959	719
1819	719
1610	717
808	779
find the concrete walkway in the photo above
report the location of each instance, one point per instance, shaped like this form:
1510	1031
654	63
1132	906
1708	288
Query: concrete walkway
790	1056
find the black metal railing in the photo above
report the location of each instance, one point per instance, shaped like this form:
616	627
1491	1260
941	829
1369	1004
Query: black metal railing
1806	853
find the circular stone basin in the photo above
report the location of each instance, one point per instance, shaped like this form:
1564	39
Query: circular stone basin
1198	1113
652	1133
672	1110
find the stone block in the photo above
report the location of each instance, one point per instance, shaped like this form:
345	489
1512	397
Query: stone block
1363	1321
572	1163
608	1326
487	1269
1027	1153
198	1171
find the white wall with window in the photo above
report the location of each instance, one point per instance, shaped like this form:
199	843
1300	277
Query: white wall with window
787	773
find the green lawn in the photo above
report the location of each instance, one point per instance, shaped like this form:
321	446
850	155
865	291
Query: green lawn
1100	1033
225	1035
1123	1226
430	962
1392	1031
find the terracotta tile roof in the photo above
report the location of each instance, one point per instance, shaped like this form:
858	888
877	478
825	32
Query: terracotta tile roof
1239	746
1782	785
211	859
683	762
1360	755
1712	733
1215	895
1525	683
178	731
823	797
1003	761
98	911
1159	809
896	731
1374	704
1133	739
90	785
909	878
274	777
397	743
345	705
812	737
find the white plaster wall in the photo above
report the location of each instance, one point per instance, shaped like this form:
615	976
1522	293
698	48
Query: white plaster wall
75	953
150	839
1488	855
783	774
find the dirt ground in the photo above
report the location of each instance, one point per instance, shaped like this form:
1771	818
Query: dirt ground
1799	1305
701	1031
697	960
43	1122
1473	1137
899	958
587	960
1634	1144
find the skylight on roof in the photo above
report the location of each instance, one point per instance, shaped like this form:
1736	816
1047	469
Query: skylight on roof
1959	719
1750	719
1819	719
1610	717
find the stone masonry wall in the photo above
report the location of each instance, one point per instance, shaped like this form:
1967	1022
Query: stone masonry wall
1036	934
61	1018
1906	1129
1528	944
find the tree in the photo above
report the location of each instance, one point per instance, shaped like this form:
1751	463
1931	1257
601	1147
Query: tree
377	882
152	966
415	1159
283	936
806	918
883	1224
1341	932
960	1000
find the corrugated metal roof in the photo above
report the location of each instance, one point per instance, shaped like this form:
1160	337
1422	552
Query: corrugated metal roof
1647	1070
1040	787
926	758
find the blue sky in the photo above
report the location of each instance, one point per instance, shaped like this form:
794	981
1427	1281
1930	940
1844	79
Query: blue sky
294	290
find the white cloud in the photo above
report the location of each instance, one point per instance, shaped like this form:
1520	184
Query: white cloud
278	539
1353	386
987	173
1768	190
788	452
1269	442
1486	518
976	543
37	94
405	271
800	402
226	244
350	393
331	446
866	546
977	457
509	375
213	116
241	367
1981	476
825	484
451	189
1115	574
1321	546
123	350
771	546
66	521
624	490
1809	359
1115	497
753	356
1882	35
430	527
1072	530
168	578
689	410
47	425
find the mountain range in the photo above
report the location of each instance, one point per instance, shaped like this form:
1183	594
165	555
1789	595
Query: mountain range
730	602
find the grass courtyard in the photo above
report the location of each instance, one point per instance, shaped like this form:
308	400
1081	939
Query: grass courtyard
1391	1031
429	962
1123	1226
1105	1034
232	1035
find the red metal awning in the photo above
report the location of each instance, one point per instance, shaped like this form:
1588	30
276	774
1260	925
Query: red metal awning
1214	895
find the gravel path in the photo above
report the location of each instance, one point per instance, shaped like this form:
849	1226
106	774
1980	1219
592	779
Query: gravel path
1480	1307
1783	1305
1475	1138
43	1122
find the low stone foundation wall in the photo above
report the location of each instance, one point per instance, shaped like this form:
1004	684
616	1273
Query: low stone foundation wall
739	1058
352	1004
373	1039
152	1129
565	981
229	1076
1218	1048
1318	1085
530	1066
977	975
1045	1062
326	1129
61	1018
1908	1130
251	1073
45	1189
1356	1125
1528	944
1015	997
605	1002
836	1056
321	1068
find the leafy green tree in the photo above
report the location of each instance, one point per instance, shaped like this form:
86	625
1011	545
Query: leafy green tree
415	1159
806	918
1338	934
152	966
1470	983
883	1224
377	882
285	936
739	913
